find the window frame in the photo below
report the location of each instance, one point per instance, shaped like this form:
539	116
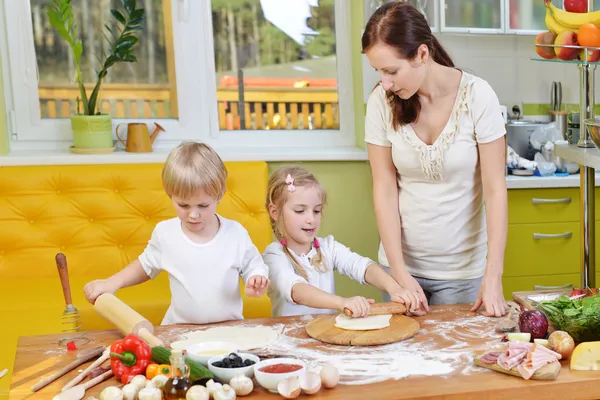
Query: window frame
197	98
480	31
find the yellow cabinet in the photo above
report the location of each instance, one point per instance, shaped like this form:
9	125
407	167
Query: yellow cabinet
542	249
526	206
543	239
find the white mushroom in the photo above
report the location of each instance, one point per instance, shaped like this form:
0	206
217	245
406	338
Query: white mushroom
289	387
330	376
197	392
212	387
150	384
150	393
310	383
159	381
139	381
111	393
130	391
225	392
242	385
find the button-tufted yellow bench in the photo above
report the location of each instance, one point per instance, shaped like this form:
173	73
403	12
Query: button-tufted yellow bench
101	217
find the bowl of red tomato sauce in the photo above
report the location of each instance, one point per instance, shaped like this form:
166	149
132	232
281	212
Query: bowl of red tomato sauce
269	372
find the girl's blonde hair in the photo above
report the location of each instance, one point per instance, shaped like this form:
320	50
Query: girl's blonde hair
193	166
277	194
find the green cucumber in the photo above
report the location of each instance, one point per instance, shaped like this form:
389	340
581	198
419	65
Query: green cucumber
161	355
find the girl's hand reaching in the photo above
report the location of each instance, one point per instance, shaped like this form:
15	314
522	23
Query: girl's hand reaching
256	286
359	306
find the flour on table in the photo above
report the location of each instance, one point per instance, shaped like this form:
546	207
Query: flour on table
244	337
438	349
370	322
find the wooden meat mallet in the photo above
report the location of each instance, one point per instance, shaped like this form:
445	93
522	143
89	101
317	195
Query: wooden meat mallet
382	308
126	319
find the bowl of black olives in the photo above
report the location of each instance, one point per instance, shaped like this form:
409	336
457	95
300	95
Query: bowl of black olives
225	367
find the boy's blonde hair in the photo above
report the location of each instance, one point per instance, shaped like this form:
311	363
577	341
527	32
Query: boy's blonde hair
277	194
193	166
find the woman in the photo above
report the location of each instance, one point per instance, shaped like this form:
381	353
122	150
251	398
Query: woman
435	139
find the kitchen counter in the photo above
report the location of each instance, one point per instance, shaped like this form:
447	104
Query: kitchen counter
436	364
535	182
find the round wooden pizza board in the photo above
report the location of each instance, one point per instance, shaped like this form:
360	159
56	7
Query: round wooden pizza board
323	329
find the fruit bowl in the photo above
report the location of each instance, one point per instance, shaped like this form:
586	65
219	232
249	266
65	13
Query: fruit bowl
593	127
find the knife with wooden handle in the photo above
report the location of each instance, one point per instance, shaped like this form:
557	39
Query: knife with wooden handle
382	308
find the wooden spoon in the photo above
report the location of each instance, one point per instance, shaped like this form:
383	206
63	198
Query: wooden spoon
105	356
82	356
77	392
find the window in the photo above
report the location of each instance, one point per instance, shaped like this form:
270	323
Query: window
293	93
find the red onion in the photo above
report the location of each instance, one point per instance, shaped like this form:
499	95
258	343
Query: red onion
534	322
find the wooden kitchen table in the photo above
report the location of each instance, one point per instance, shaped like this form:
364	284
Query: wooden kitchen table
36	357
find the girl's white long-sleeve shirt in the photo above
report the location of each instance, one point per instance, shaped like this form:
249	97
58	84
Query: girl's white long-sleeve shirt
283	277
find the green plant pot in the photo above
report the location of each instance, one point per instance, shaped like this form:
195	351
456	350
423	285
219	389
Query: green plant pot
92	131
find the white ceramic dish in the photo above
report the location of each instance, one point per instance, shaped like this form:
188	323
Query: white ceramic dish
226	374
202	352
270	380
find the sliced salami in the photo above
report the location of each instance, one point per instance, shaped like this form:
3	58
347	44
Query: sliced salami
490	358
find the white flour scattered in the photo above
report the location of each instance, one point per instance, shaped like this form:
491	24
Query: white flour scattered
55	352
442	348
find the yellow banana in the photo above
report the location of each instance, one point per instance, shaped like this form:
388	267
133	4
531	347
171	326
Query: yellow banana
573	20
554	26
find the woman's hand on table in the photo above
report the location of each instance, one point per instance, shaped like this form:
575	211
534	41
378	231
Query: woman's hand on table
256	286
410	299
95	288
491	297
359	306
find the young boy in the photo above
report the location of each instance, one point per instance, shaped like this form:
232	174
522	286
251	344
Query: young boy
203	253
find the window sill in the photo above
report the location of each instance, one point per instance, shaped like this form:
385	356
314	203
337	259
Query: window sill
65	157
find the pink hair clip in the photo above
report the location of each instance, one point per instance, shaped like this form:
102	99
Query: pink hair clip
316	243
283	242
290	182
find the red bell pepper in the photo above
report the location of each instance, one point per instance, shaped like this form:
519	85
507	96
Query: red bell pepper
129	357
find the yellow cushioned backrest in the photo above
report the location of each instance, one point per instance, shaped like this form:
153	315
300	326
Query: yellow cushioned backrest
102	216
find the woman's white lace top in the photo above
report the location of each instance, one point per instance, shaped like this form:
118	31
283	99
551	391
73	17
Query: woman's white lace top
440	193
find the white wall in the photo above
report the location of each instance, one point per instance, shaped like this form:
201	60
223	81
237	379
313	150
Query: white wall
505	62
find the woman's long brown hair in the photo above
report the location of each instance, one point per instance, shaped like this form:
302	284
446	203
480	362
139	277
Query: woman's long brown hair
403	27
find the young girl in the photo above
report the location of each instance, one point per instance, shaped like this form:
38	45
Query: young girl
301	265
203	253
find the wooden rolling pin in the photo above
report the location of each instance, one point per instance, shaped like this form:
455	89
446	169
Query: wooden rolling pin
382	308
126	319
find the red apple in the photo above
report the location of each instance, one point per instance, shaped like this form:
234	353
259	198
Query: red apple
545	38
576	6
593	55
566	38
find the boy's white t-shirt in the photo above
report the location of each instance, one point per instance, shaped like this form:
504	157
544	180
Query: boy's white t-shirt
440	192
283	277
204	278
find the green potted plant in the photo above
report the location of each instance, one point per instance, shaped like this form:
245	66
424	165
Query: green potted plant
92	129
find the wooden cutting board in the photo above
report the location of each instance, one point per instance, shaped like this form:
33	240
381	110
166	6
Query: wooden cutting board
522	297
548	372
323	329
